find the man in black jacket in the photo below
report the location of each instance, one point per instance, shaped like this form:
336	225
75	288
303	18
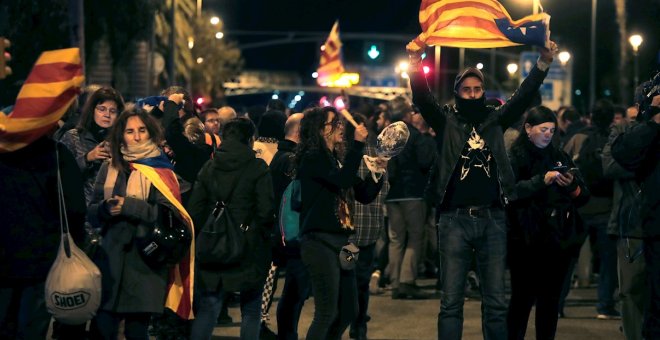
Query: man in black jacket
475	181
638	150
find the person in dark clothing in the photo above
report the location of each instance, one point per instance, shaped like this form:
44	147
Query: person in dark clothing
31	229
189	157
474	183
234	164
638	150
586	145
87	140
296	282
328	184
408	175
124	201
626	227
572	124
545	228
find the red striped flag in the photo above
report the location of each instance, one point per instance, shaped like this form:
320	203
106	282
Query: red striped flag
331	66
45	96
477	24
179	297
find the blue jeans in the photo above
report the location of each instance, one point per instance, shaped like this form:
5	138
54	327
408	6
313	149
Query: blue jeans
296	290
209	304
652	315
460	235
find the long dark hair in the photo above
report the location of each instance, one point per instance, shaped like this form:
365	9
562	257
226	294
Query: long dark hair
99	96
311	126
116	134
535	116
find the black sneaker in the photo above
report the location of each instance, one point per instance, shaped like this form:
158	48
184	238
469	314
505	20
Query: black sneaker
266	333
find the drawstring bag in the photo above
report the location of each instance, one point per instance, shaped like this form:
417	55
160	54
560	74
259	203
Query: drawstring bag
73	285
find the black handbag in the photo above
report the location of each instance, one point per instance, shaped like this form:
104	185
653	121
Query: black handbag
222	242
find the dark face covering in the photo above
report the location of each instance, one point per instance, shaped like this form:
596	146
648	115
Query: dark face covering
472	110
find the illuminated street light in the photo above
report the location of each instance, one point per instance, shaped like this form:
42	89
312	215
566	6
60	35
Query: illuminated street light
636	40
275	96
315	75
512	68
403	66
480	66
200	60
191	42
219	35
215	21
564	57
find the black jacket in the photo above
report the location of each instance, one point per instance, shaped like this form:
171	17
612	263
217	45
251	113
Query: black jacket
281	169
454	131
29	207
189	157
322	181
252	196
624	218
408	172
545	214
639	151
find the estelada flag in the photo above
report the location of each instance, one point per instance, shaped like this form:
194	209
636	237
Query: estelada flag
331	66
179	297
477	24
47	93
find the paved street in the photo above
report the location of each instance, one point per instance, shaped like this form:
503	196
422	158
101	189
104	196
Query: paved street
410	319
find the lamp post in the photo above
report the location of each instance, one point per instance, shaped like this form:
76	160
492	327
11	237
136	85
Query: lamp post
636	40
564	58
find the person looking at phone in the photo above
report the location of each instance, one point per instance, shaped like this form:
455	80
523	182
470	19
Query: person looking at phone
545	227
87	140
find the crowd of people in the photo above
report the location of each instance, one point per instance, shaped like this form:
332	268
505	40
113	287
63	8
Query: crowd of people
480	188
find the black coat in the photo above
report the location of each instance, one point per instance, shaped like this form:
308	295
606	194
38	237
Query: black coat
408	172
639	151
544	214
453	130
30	226
252	196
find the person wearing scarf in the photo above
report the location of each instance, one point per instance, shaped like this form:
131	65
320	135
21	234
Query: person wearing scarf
87	140
130	191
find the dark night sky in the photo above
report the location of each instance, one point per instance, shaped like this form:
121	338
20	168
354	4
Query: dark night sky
570	25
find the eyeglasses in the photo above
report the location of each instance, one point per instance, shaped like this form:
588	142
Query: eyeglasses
102	108
335	123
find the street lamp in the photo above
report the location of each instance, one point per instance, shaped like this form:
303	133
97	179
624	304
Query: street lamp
215	21
636	40
512	69
564	57
219	35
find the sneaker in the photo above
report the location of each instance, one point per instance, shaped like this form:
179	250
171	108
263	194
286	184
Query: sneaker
409	291
374	288
611	314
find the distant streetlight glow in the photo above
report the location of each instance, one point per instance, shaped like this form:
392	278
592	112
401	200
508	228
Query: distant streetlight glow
635	40
426	69
315	75
403	66
215	21
275	96
405	75
191	42
480	66
200	60
564	57
219	35
297	98
512	68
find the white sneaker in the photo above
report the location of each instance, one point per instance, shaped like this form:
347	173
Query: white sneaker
374	288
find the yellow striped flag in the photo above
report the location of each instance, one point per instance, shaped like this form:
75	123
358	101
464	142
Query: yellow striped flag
181	281
331	66
45	96
477	24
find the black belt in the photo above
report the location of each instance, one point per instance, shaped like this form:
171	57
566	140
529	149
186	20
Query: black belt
475	211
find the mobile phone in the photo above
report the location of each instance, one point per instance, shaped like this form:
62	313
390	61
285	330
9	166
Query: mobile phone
561	169
573	170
